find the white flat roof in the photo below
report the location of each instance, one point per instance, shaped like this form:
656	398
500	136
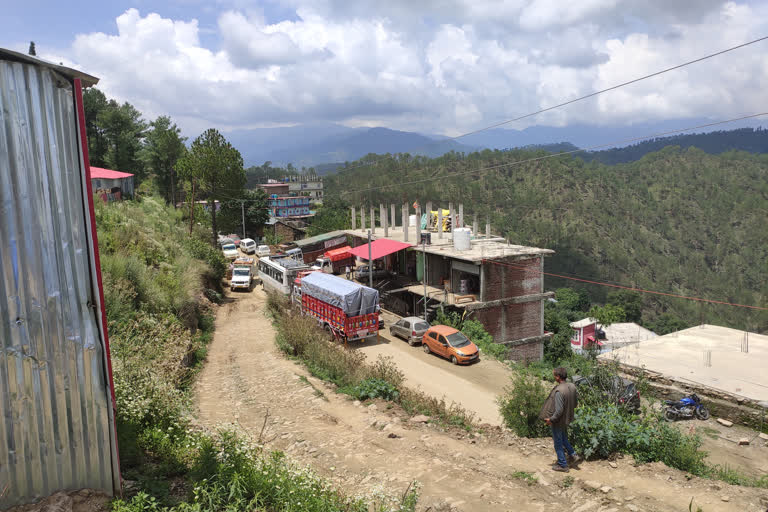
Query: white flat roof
684	356
481	248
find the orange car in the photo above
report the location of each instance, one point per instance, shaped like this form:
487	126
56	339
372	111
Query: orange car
450	343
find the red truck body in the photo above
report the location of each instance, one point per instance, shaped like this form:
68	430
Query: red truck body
342	326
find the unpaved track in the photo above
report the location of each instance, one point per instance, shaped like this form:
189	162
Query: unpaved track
245	376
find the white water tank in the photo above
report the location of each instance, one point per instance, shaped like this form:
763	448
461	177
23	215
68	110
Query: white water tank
412	220
461	239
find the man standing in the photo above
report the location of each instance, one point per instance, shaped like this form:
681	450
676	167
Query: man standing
557	412
348	272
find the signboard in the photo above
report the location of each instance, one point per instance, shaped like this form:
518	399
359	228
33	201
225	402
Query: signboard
335	241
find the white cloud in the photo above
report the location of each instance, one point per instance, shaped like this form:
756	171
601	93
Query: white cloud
448	66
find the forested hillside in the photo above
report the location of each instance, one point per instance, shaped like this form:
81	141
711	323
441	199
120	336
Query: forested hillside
750	140
678	220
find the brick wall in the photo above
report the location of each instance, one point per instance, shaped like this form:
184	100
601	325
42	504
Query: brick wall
502	281
287	233
513	321
526	352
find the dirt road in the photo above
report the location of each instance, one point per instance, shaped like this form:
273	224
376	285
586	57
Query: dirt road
363	449
474	387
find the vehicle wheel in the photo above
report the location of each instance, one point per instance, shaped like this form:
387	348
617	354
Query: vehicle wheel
702	413
670	415
411	342
426	348
454	360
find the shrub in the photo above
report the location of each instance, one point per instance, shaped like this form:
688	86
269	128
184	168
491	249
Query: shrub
521	403
375	388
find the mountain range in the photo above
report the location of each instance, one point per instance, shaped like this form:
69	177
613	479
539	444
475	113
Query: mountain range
326	146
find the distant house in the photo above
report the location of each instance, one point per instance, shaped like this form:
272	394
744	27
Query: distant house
286	230
111	185
289	207
608	338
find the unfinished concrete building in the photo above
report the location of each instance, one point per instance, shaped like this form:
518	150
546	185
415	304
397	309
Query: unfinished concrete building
477	275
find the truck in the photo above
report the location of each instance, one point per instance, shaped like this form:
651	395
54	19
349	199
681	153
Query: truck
242	274
347	310
335	261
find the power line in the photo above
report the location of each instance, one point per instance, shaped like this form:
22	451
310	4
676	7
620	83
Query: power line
532	271
554	155
580	98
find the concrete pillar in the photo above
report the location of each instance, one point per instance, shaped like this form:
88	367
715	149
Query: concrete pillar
428	211
474	225
383	215
362	218
461	215
404	212
354	218
439	223
373	221
452	216
392	216
418	225
488	229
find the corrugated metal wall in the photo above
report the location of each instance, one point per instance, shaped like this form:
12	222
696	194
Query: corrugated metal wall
56	425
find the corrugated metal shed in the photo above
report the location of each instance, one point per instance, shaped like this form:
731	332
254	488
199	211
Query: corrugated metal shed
56	402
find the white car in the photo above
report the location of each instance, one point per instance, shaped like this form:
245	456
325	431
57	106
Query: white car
241	278
263	250
230	251
248	246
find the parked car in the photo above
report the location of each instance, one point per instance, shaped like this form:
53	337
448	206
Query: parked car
248	246
230	251
224	240
410	328
617	389
450	343
235	238
362	273
262	250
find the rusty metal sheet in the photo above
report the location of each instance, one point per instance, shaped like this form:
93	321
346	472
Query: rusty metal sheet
56	415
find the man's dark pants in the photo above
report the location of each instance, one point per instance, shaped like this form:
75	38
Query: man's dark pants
562	446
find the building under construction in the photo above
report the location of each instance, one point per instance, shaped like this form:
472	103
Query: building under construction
423	267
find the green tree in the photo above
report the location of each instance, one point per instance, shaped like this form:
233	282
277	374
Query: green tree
252	204
214	166
164	146
94	102
570	299
332	215
123	129
631	302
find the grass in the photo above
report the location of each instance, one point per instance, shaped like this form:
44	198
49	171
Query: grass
567	482
300	337
525	476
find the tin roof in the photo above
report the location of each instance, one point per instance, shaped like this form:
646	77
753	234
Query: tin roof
88	80
108	174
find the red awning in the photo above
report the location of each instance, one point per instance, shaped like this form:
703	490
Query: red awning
380	248
108	174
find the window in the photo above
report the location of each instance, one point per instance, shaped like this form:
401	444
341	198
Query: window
442	339
407	325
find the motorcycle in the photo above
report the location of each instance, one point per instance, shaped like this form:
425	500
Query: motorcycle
685	408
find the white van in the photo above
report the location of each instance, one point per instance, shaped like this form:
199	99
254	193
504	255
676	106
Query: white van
262	250
247	245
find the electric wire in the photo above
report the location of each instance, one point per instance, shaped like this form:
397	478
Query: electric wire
531	271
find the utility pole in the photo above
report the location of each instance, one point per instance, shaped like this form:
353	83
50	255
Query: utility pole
424	271
370	261
242	210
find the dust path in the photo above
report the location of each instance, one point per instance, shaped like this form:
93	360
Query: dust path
366	448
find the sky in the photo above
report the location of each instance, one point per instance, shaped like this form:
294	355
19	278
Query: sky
432	66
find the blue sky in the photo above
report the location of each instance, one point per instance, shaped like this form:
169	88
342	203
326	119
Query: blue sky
435	66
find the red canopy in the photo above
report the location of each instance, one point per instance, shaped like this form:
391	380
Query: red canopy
338	254
379	248
108	174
